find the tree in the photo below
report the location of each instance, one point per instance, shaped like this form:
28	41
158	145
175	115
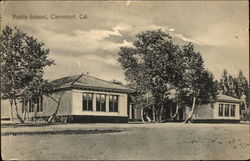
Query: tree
149	66
235	86
197	83
156	65
22	67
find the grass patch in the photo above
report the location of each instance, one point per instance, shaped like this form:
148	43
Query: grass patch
39	124
62	132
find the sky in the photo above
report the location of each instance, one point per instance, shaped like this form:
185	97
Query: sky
218	30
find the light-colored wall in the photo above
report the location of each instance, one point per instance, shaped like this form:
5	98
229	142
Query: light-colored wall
49	106
5	109
237	111
206	111
203	112
77	104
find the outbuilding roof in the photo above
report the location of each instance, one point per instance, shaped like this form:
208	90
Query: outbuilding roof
85	81
225	98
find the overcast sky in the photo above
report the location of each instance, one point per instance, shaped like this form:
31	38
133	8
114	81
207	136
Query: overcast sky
219	30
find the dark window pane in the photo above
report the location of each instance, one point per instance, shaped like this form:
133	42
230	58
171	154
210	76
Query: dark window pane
116	107
226	110
103	106
233	110
90	105
98	108
85	105
111	106
87	102
220	109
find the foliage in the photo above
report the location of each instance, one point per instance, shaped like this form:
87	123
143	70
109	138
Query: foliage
234	86
23	60
155	66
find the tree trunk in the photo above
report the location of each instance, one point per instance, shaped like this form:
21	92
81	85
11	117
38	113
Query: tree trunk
160	114
25	112
17	114
142	119
11	109
34	115
188	119
148	118
153	113
171	112
57	108
176	112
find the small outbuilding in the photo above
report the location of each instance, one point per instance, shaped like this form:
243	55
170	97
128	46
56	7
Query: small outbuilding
84	98
224	109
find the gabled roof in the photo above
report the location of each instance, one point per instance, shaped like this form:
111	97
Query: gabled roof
225	98
89	82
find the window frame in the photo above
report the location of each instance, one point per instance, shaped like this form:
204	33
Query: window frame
87	101
101	102
113	103
232	111
220	111
227	110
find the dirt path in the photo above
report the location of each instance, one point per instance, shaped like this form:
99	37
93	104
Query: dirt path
151	141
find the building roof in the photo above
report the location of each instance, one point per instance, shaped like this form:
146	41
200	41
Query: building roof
85	81
225	98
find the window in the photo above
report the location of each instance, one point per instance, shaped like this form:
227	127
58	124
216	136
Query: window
87	104
220	109
232	110
113	103
226	110
100	102
33	104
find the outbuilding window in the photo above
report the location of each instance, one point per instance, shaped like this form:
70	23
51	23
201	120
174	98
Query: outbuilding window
113	103
232	110
87	104
100	102
226	110
220	109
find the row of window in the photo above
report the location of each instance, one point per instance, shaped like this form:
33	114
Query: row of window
87	104
32	105
226	110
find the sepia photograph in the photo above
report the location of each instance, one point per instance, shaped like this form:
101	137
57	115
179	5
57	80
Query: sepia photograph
124	80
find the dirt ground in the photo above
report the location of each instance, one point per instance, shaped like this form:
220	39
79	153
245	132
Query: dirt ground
166	141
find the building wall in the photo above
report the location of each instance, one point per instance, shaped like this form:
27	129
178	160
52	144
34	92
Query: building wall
77	104
237	111
49	106
5	109
204	111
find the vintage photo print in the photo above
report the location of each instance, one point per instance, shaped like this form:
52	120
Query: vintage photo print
125	80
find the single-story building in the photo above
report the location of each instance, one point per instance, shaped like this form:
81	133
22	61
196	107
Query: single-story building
224	109
84	98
